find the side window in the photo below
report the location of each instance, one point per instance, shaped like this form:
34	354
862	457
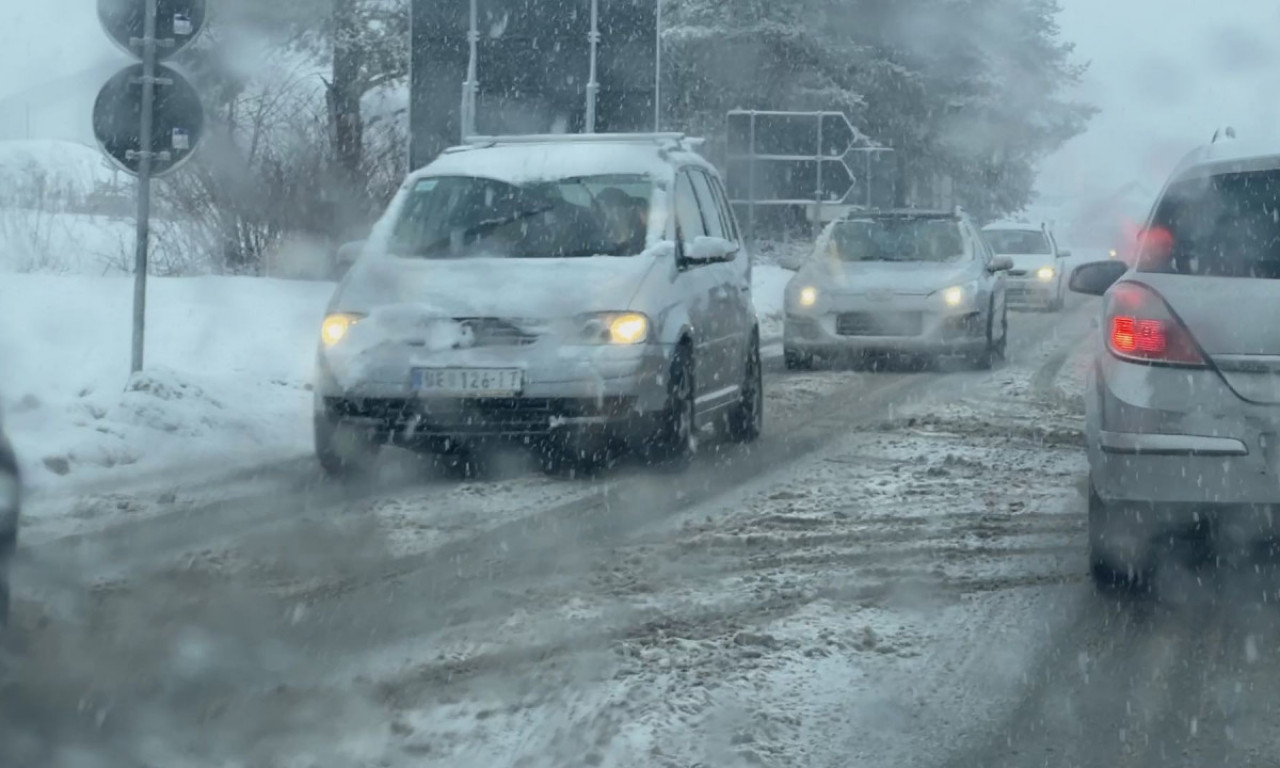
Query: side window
726	211
688	215
707	201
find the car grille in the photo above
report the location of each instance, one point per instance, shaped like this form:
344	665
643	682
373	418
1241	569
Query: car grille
1017	273
498	417
880	324
495	332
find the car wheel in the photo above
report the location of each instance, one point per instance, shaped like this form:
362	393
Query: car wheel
795	360
985	359
1110	576
746	420
1002	346
675	441
343	450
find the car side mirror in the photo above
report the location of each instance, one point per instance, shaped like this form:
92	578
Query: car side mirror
1094	278
707	250
1064	254
1000	264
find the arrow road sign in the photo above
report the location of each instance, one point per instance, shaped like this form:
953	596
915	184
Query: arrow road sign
788	181
178	22
178	120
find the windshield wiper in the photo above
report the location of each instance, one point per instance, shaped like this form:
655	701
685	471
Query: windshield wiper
481	227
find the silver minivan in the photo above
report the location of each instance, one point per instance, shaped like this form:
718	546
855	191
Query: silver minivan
568	293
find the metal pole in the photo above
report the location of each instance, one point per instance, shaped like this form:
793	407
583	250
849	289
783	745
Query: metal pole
657	76
751	182
144	184
592	84
471	87
817	186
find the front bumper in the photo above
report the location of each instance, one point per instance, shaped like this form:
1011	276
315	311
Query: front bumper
1030	291
565	388
912	328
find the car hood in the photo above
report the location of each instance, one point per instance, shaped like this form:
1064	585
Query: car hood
536	289
1030	262
907	278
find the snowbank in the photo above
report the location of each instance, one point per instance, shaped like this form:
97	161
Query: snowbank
57	165
228	366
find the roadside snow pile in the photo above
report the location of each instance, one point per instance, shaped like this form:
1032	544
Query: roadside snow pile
52	167
227	375
769	284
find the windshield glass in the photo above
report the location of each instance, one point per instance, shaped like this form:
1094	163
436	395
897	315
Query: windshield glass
459	216
1018	241
929	240
1223	226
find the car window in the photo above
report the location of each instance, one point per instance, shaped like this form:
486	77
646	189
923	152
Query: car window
905	239
688	214
707	204
725	210
1220	226
1019	242
460	216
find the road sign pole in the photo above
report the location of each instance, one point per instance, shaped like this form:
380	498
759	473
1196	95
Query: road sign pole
817	187
751	183
144	185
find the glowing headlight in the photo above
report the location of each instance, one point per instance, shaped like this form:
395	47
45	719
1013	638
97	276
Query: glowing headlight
808	296
335	327
954	296
1046	274
617	328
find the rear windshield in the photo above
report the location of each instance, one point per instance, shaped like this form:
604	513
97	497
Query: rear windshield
1018	242
459	216
1220	226
931	240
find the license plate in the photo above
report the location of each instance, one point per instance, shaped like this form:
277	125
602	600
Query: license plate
468	382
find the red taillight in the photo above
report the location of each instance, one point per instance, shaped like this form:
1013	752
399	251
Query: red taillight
1142	327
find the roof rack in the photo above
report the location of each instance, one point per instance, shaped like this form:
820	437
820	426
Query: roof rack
583	138
1226	132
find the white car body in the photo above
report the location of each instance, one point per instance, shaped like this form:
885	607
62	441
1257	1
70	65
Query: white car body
1037	279
898	305
528	315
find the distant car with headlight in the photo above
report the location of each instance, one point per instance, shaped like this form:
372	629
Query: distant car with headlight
569	293
1036	278
10	501
909	281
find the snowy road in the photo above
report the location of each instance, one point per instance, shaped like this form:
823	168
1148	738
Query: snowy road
893	576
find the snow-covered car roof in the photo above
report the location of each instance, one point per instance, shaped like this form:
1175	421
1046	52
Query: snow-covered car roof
1242	154
1015	226
526	159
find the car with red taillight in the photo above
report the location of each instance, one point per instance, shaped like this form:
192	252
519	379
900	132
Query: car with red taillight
1183	400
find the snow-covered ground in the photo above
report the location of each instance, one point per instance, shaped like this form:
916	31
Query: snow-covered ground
228	366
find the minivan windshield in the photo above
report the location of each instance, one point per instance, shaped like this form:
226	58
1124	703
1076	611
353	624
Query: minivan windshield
1018	242
907	239
1226	225
460	216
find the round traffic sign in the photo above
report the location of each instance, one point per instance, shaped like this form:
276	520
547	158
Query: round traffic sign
178	22
177	123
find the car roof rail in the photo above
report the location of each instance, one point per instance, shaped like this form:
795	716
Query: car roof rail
678	139
1225	133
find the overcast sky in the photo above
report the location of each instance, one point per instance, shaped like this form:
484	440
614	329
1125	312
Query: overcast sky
1164	73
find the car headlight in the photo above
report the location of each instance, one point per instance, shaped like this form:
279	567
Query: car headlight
336	326
1045	274
953	296
616	328
10	499
808	296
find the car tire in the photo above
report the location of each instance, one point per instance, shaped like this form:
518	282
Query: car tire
795	360
342	450
1110	577
746	419
1002	347
675	441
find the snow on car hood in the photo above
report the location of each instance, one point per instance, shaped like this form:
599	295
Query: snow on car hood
538	289
1031	261
910	277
